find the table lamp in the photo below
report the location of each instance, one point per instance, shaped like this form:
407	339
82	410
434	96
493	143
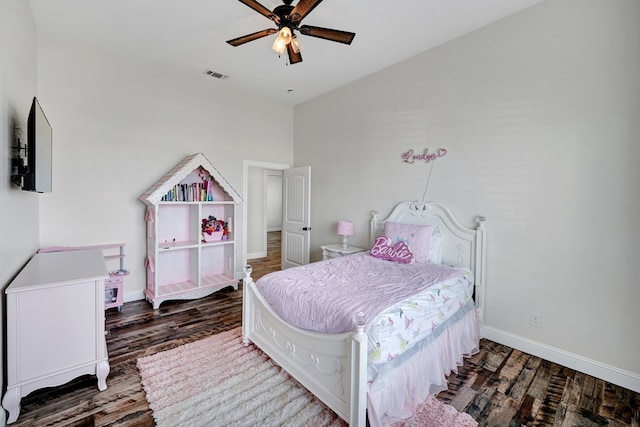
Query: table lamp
345	228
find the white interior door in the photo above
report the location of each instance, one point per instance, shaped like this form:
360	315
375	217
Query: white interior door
296	216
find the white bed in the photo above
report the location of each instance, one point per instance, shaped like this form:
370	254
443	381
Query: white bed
334	367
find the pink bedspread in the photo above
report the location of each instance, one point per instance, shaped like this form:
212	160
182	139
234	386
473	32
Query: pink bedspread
324	296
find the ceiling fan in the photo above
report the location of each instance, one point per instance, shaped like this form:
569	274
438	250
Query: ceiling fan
287	19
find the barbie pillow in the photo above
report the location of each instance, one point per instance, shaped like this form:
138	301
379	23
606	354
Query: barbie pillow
417	237
384	248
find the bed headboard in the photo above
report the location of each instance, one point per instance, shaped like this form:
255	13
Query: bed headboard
463	246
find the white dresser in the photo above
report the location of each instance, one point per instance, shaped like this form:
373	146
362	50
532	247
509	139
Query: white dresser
55	324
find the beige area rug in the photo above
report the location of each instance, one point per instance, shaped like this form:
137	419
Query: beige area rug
218	381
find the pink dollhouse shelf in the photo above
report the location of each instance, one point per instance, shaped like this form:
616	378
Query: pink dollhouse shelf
218	280
174	288
177	245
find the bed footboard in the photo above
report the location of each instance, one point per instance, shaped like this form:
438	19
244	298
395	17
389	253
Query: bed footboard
332	367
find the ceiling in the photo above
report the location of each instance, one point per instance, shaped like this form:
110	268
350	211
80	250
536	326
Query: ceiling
190	36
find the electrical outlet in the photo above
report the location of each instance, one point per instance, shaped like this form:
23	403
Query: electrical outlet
536	320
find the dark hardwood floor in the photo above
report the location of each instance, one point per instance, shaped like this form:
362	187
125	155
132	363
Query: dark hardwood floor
499	386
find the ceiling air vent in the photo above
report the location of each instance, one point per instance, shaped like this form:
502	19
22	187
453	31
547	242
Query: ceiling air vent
215	74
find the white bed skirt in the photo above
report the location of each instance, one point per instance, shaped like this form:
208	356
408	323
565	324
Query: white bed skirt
423	374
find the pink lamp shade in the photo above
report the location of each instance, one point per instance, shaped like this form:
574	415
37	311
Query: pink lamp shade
345	228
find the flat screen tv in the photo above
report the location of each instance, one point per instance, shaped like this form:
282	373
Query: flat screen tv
38	176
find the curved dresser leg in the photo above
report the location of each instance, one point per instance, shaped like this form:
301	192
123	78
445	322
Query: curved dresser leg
11	402
102	370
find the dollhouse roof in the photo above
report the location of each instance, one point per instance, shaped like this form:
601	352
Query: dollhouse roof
180	171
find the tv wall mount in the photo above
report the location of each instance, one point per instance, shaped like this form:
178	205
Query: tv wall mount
19	163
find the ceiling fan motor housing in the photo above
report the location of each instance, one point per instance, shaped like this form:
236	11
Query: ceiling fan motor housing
283	12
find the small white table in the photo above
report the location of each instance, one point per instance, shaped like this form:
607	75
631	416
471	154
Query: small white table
336	250
55	324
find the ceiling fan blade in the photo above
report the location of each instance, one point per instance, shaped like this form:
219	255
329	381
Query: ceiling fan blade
253	4
327	34
294	57
302	9
251	37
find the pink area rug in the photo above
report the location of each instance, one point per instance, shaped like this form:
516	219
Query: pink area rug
218	381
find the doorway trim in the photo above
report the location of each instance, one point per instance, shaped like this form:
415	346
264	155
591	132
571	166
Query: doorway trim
246	164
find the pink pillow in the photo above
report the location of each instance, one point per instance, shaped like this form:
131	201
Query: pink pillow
418	237
385	249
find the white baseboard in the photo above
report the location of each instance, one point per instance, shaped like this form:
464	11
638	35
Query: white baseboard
255	255
133	296
579	363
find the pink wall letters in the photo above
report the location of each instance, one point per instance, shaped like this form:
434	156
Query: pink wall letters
411	157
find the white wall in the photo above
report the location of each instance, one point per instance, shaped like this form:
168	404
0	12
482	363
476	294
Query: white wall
263	204
274	200
120	124
540	115
18	85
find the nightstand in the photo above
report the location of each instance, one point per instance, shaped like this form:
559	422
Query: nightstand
336	250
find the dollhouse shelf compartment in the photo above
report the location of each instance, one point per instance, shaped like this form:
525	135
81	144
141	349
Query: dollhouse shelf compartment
180	263
178	287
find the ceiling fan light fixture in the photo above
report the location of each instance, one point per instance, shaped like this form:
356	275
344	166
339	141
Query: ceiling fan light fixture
285	33
279	45
296	44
